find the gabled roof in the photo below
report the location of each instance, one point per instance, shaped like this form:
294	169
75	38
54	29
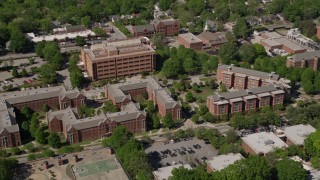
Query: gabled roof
166	22
143	28
305	56
249	72
247	92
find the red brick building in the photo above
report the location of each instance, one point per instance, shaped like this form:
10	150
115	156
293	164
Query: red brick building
242	78
54	97
246	100
78	130
122	94
166	27
143	30
213	40
188	40
318	32
118	58
308	59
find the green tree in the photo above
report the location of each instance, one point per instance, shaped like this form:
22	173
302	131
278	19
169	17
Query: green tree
85	111
15	73
289	169
39	48
241	28
155	121
24	73
15	151
86	21
254	167
168	121
171	68
48	74
195	118
7	168
119	137
80	41
165	4
41	136
150	106
228	53
189	97
189	66
99	32
209	117
18	42
248	53
109	107
259	49
45	108
54	140
196	6
26	112
34	124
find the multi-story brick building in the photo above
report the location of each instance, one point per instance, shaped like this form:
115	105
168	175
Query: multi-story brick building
213	40
118	58
54	97
308	59
77	130
242	78
188	40
143	30
166	27
246	100
122	94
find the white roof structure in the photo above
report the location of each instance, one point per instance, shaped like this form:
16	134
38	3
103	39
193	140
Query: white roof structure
298	133
263	142
165	172
59	37
220	162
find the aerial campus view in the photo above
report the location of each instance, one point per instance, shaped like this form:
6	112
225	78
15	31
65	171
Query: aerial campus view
159	89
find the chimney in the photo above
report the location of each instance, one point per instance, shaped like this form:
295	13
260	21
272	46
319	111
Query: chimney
230	67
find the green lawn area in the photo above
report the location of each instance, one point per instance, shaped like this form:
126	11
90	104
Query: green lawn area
204	93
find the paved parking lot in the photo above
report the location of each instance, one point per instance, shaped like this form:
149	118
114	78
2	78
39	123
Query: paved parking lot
178	152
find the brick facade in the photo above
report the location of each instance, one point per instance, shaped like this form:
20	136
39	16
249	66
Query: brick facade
245	100
35	100
118	59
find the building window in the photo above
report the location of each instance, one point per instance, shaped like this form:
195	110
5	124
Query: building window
64	105
82	100
4	142
278	99
237	107
71	138
251	104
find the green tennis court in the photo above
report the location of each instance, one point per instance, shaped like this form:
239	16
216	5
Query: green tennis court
96	167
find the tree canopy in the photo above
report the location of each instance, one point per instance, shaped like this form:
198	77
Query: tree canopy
288	169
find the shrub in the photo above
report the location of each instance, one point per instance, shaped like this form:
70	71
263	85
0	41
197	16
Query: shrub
32	157
15	151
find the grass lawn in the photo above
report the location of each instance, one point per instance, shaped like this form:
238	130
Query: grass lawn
203	93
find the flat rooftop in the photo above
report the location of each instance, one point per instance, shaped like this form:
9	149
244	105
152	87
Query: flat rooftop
190	38
220	162
118	48
298	133
165	172
290	44
263	142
